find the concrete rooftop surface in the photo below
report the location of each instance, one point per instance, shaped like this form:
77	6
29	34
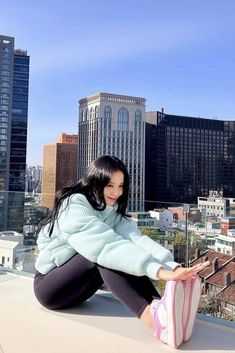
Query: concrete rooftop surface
101	324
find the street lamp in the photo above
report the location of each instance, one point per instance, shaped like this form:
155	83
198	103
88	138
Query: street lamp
186	208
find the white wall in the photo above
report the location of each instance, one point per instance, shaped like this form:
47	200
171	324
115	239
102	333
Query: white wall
164	218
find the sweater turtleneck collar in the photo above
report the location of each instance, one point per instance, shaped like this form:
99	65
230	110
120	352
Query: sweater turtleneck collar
109	210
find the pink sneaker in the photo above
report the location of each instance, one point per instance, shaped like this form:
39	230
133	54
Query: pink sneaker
192	293
168	314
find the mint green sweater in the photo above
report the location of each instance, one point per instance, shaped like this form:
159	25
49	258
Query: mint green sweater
103	237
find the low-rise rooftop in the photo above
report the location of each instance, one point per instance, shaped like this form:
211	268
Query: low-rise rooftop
211	255
101	324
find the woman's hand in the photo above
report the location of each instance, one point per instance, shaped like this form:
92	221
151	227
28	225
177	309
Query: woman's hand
181	273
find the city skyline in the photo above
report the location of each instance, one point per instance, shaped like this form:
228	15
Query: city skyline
176	57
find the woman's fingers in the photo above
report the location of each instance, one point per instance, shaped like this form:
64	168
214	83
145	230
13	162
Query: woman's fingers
188	273
181	273
201	266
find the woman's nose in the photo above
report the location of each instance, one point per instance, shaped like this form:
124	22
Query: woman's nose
115	192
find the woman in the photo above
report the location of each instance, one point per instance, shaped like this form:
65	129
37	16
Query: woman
89	240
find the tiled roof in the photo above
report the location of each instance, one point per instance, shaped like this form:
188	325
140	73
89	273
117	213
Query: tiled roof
217	279
228	294
211	255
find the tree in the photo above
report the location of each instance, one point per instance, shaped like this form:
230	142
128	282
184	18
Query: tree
160	286
209	304
179	238
153	233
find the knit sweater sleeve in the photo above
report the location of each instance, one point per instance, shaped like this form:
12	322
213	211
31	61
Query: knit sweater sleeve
128	229
98	242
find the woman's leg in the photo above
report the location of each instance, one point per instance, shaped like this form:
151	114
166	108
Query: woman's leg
134	292
78	279
65	286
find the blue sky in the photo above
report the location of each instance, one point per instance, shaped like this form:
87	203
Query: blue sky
178	54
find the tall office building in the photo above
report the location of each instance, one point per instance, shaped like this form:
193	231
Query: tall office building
229	159
70	139
14	83
33	179
59	167
185	158
114	124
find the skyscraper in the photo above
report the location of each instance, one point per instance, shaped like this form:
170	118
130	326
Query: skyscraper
114	124
33	179
59	167
14	84
229	159
186	157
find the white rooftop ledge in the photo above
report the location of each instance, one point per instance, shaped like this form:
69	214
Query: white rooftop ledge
101	325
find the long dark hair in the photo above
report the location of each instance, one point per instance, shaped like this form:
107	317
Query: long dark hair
92	185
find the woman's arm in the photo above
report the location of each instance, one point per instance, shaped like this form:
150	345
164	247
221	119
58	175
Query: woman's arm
128	229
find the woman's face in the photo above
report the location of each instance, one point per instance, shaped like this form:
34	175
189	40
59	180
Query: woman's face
114	189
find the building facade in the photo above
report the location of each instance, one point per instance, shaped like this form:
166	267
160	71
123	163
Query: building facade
114	125
33	179
14	85
185	157
214	205
143	219
218	280
225	244
164	218
11	254
59	167
229	159
226	224
69	139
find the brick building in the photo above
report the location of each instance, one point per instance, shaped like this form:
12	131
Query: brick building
219	279
59	167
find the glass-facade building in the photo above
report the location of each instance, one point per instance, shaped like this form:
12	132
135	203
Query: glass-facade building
114	124
186	157
14	85
229	159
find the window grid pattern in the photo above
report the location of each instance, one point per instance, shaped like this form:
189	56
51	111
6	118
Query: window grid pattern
121	135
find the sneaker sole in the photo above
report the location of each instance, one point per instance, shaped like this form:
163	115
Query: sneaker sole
174	312
192	293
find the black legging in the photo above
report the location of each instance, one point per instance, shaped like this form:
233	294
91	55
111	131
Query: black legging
78	279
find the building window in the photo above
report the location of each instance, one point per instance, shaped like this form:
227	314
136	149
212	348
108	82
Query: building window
83	115
87	114
92	114
107	112
138	117
123	119
97	112
5	78
6	50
